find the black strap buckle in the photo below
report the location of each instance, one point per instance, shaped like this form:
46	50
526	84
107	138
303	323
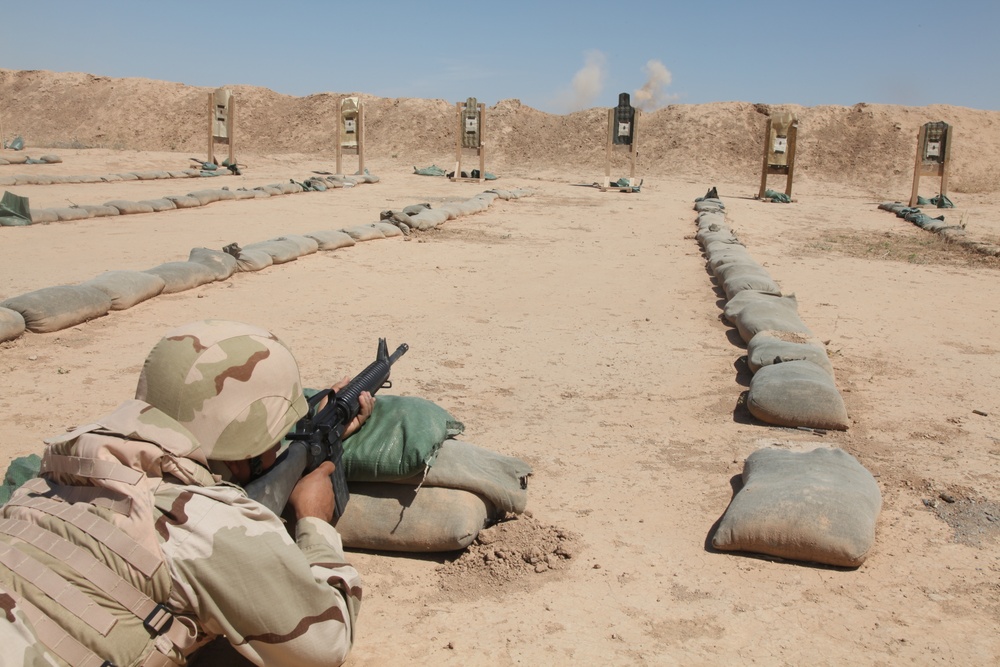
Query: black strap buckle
160	626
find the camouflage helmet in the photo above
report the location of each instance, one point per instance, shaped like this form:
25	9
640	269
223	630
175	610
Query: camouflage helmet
235	386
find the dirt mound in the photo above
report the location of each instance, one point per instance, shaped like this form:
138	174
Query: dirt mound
870	146
509	551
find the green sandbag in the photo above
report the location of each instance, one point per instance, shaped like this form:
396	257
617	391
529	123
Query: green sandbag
941	201
432	170
399	440
779	197
14	211
20	471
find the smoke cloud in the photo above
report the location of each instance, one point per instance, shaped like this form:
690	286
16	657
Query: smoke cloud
587	83
653	93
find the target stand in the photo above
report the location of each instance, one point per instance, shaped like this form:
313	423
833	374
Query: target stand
351	132
221	123
779	150
933	156
471	131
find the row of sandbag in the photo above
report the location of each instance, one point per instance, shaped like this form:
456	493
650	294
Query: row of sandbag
55	308
954	233
191	200
422	217
793	383
48	179
815	506
9	158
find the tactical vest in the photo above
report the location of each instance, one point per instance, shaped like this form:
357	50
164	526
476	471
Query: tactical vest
79	552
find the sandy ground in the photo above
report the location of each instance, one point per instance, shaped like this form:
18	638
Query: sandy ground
580	331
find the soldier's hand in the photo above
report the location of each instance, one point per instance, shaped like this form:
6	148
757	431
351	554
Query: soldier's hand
366	403
313	494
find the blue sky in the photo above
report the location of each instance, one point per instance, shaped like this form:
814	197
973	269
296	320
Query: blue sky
553	56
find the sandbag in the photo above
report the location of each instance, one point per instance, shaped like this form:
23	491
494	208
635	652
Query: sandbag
428	219
364	232
775	347
100	211
332	239
397	517
280	251
126	207
388	230
20	470
15	211
56	308
818	506
11	324
50	159
43	216
740	277
184	201
796	393
127	288
306	245
400	439
157	205
68	213
502	480
751	312
181	276
219	263
207	197
253	260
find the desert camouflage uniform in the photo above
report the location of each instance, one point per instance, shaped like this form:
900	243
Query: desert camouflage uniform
126	525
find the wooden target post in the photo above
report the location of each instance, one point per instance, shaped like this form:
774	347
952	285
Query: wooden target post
471	133
221	121
622	122
779	150
351	132
933	154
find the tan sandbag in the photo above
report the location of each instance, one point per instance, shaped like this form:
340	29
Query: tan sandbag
127	288
184	201
126	207
221	264
797	393
207	197
181	276
332	239
253	260
429	219
280	251
127	176
747	277
100	211
11	324
397	517
56	308
819	506
775	347
163	204
751	312
388	230
271	190
43	215
152	175
502	480
306	245
367	232
68	213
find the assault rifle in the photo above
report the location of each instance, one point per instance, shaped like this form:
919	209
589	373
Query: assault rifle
319	437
